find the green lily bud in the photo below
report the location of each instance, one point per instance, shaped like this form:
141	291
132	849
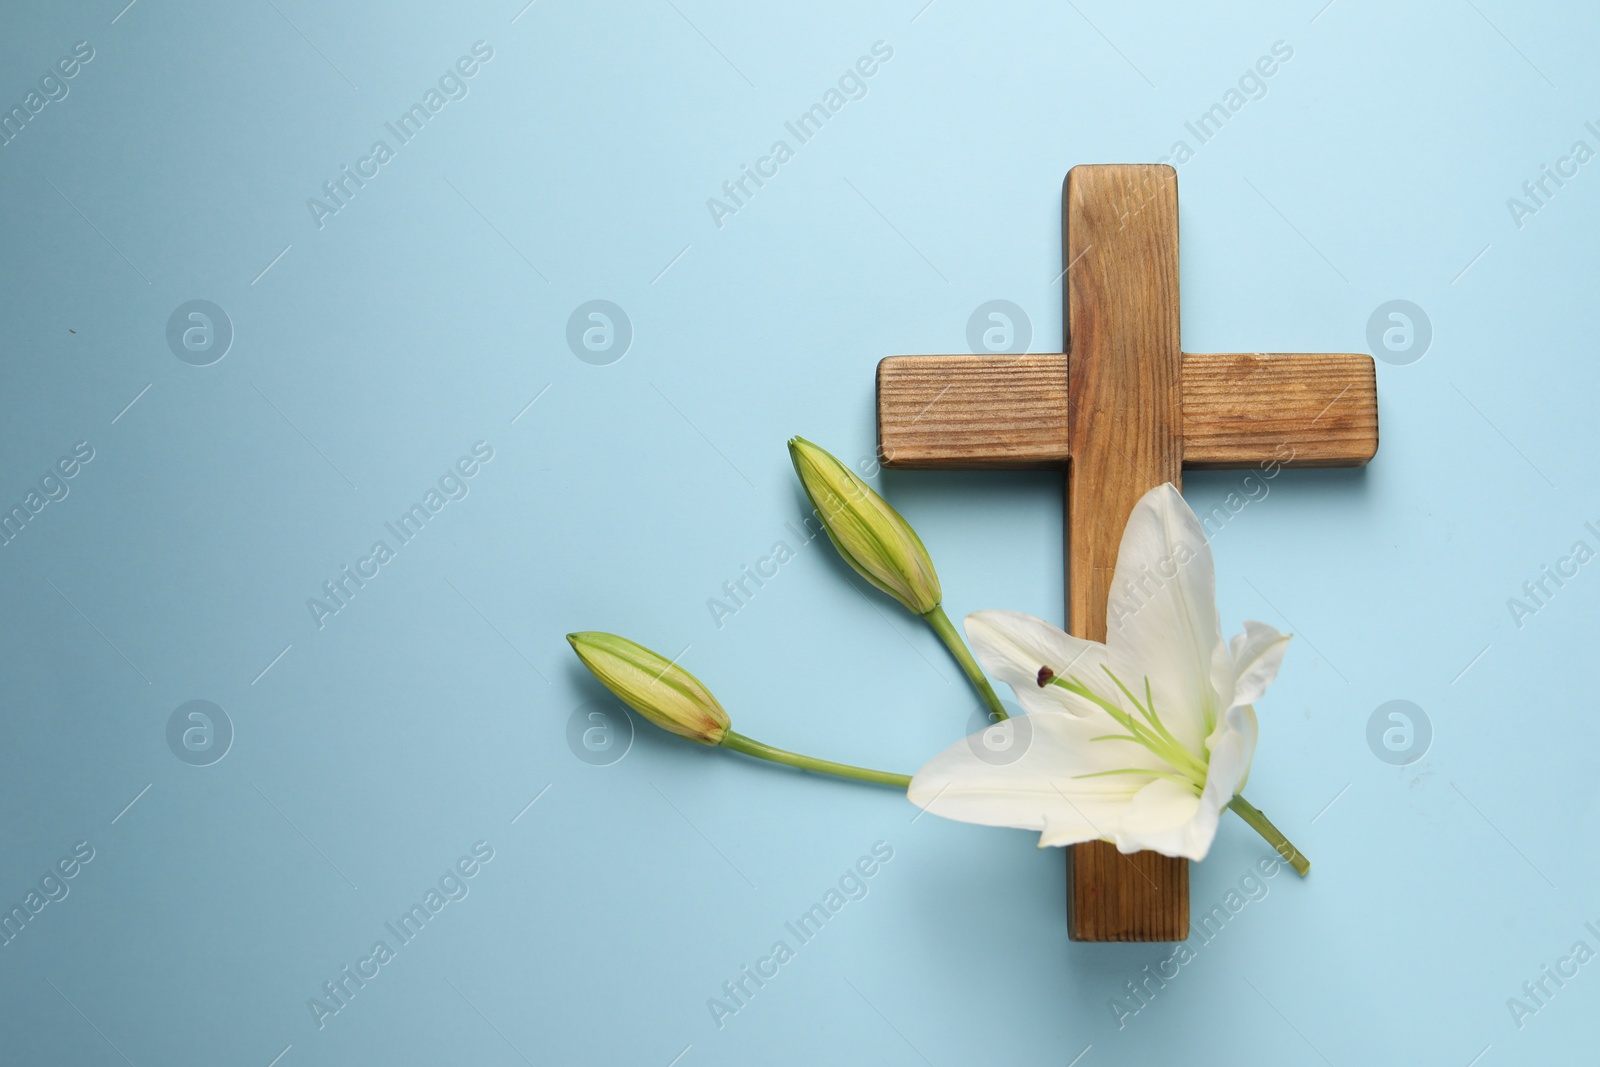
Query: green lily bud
870	535
653	685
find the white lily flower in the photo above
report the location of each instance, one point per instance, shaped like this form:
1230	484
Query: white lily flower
1140	741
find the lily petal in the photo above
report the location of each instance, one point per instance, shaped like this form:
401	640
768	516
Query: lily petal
1167	818
1257	653
1233	747
1043	788
1013	646
1164	817
1161	618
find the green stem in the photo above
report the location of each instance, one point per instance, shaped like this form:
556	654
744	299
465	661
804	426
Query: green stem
1263	826
958	648
740	743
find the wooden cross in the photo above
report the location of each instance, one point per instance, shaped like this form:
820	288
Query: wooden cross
1122	410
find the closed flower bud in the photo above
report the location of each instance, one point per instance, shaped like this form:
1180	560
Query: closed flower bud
653	685
870	535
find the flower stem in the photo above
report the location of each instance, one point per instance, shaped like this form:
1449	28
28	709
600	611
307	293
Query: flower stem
740	743
1263	826
958	648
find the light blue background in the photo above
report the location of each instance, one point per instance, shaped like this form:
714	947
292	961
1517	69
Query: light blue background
427	714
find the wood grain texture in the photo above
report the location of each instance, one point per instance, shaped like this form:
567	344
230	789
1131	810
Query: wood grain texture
1125	434
1244	408
1143	896
999	412
1239	409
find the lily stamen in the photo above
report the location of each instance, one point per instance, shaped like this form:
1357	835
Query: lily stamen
1164	746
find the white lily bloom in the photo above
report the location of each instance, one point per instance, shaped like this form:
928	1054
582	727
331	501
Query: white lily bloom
1141	741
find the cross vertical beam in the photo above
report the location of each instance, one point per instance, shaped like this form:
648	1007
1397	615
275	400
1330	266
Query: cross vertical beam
1125	437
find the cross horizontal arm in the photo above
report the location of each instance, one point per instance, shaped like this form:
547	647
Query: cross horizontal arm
1244	408
1009	412
973	412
